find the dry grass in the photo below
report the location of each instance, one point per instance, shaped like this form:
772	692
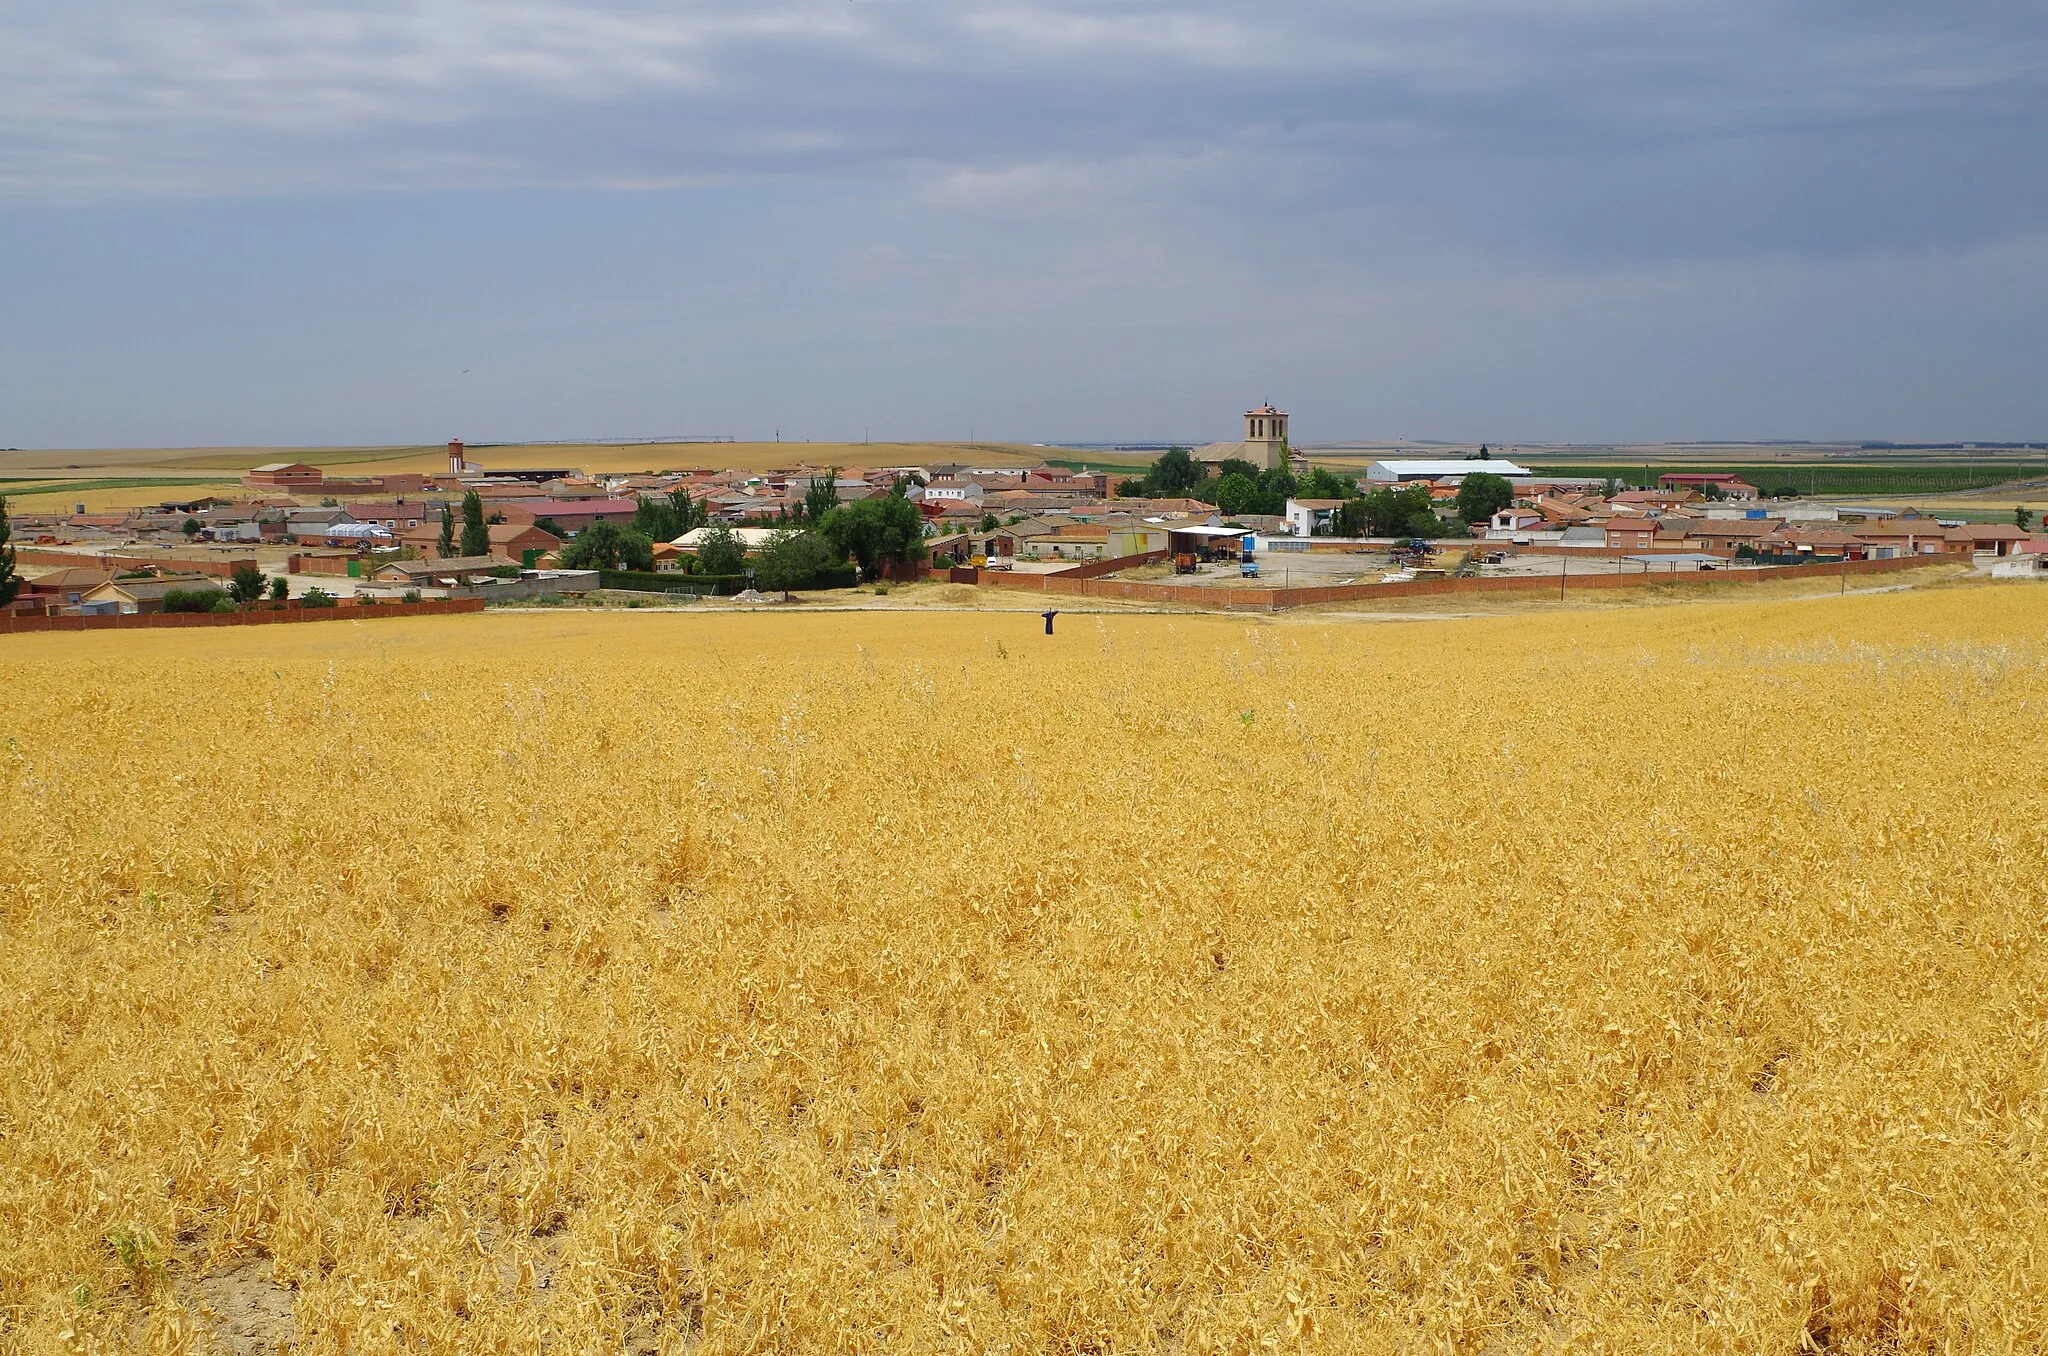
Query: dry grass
1657	980
110	462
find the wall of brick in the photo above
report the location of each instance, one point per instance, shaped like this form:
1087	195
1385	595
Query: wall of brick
114	563
1269	600
261	615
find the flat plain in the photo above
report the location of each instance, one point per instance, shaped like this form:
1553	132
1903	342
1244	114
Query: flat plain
1646	980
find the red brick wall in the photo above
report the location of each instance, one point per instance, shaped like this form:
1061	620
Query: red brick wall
1267	600
263	615
131	560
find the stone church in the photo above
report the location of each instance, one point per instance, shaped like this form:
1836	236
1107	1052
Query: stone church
1264	445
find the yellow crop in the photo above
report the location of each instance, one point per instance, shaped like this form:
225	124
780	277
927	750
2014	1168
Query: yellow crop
1660	980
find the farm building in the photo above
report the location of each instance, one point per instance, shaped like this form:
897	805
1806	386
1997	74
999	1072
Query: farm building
1399	472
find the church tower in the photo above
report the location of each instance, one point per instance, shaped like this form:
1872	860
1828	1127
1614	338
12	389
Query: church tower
1265	437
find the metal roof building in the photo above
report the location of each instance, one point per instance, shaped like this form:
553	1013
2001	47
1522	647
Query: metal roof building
1389	472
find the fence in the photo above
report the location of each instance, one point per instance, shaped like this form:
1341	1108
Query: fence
1273	600
260	615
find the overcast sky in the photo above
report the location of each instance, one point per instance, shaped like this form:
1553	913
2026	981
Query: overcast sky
276	222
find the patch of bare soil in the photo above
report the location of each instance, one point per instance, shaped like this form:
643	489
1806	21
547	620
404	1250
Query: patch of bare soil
249	1312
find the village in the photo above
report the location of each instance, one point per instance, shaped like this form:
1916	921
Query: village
1229	518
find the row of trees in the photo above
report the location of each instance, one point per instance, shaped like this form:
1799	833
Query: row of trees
872	533
1239	487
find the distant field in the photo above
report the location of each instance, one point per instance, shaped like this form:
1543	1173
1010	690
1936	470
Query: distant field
1825	478
38	496
138	463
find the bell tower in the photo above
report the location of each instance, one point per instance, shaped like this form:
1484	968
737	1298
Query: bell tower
1265	436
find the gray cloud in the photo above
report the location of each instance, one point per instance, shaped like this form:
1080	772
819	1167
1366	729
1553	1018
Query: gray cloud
1536	217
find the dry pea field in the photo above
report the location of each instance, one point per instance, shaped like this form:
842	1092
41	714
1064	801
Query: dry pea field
1660	980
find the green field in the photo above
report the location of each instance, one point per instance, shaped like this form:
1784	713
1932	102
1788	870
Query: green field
1825	478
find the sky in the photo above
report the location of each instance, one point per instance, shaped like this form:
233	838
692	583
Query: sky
267	222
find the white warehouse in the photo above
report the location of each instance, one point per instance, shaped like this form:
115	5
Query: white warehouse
1392	472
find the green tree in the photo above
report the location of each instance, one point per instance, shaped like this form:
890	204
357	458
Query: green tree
1395	511
10	582
655	519
1237	466
476	538
190	527
1483	494
280	588
691	514
607	546
1276	487
1174	474
192	600
720	551
245	585
1321	484
446	546
793	560
989	523
1609	488
1237	493
821	497
2022	517
876	532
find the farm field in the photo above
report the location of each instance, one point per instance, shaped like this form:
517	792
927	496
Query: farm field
1635	980
211	463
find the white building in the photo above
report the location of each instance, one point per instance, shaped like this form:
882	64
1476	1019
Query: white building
1311	517
1394	472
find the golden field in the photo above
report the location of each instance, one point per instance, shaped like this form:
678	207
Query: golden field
1654	980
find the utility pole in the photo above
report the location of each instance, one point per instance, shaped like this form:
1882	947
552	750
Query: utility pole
1565	562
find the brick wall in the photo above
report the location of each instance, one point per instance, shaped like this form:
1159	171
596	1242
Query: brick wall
216	568
262	615
1269	600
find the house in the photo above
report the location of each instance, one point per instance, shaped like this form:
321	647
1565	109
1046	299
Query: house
1637	533
941	491
144	595
1068	543
1515	520
518	543
1455	471
1996	539
1906	535
1311	517
414	573
573	515
1653	501
1727	536
286	475
65	587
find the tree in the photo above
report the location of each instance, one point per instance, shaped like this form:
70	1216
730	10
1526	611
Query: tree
793	560
280	588
1276	487
191	527
1237	466
720	551
2022	517
988	522
1609	488
876	532
1321	484
691	514
245	585
1177	473
1483	494
1237	493
822	497
10	582
192	600
607	546
476	538
655	519
1392	512
446	546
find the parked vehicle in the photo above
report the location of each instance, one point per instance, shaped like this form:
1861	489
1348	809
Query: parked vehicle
1248	568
